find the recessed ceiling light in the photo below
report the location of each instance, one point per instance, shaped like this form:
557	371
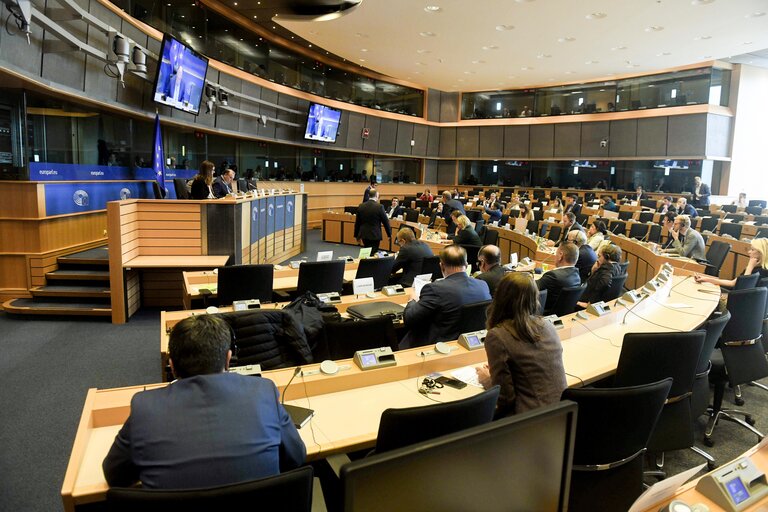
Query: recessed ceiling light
622	47
490	47
526	68
654	28
569	72
755	14
420	64
701	2
361	60
310	46
417	72
478	62
427	34
235	3
504	28
363	49
470	73
630	65
663	54
254	16
543	56
747	42
432	8
567	39
459	79
423	51
702	38
596	16
592	62
523	1
706	57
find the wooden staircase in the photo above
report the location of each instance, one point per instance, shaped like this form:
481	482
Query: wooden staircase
79	286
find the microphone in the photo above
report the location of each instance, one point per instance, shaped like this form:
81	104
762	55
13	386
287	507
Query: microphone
251	186
295	373
624	320
299	415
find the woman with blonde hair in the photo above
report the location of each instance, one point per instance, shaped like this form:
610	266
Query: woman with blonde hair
525	356
758	262
202	182
465	232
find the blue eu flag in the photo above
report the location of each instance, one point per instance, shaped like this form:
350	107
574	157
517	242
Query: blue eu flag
158	156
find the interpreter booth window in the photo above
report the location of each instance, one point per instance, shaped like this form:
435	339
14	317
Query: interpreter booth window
184	149
576	99
497	104
397	170
690	87
507	173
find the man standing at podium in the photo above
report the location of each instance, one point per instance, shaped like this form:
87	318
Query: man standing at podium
369	220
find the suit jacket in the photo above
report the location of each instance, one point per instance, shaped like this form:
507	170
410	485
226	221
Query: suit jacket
691	247
409	258
703	198
369	220
492	277
672	208
575	208
689	210
599	282
392	213
435	316
564	234
199	190
220	189
453	204
587	258
554	281
204	431
467	236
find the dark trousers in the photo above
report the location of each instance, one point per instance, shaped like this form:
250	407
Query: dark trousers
373	244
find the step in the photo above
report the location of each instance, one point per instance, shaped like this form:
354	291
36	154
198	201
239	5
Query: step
71	291
79	274
38	307
96	256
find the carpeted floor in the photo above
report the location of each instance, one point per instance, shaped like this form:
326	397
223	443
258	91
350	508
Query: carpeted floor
47	365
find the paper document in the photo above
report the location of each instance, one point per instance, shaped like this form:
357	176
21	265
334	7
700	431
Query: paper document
467	374
663	490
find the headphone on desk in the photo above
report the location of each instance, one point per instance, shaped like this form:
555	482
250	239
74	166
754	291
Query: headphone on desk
428	385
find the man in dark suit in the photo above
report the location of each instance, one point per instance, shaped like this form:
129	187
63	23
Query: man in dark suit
223	184
639	194
569	224
368	222
435	314
587	255
449	206
571	205
488	261
395	209
409	258
564	276
683	208
701	193
667	205
207	428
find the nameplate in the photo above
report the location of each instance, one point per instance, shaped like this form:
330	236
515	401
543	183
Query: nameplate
362	285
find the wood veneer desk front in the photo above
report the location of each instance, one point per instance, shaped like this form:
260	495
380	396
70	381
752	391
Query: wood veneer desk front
590	353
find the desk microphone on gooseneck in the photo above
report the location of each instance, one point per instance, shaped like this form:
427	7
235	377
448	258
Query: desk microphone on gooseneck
295	373
299	415
624	320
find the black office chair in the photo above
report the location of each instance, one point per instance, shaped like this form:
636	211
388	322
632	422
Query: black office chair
554	232
746	281
731	229
741	357
762	233
582	219
616	288
504	220
292	490
474	215
738	217
491	237
626	215
350	209
566	301
648	357
411	215
532	227
758	202
472	251
180	187
729	208
612	472
761	220
716	255
404	427
241	282
431	265
700	397
754	210
542	301
321	277
473	316
617	227
377	268
655	234
158	192
480	229
645	217
344	338
708	224
638	231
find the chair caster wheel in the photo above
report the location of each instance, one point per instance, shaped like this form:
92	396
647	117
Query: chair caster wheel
709	442
750	420
738	401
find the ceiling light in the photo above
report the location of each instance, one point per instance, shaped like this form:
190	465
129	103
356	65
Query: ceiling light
707	57
543	56
504	28
702	38
622	47
755	14
567	39
459	79
432	8
427	34
523	1
592	62
254	16
663	54
478	62
596	16
423	51
747	42
490	47
569	72
363	49
235	3
701	2
420	64
526	68
654	28
470	73
361	60
550	80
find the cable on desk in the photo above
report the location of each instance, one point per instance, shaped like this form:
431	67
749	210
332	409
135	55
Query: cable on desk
309	406
576	377
657	325
575	319
418	380
699	298
676	310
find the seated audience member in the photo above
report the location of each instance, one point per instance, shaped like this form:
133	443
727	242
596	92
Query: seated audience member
667	205
555	205
572	205
742	202
639	194
668	221
426	196
683	208
526	212
395	209
491	202
596	234
525	355
693	244
465	232
569	224
491	271
223	184
606	203
203	181
565	275
587	255
437	213
450	206
758	262
207	428
409	258
434	315
493	211
605	268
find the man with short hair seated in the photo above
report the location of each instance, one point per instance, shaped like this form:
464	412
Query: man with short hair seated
409	258
207	428
692	244
666	205
435	314
684	208
395	209
488	261
587	255
564	276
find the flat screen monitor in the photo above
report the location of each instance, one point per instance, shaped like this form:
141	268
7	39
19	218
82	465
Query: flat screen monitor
322	123
518	463
672	164
180	79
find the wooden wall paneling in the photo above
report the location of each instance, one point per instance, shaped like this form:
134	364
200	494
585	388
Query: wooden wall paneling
567	140
20	200
623	138
116	275
468	142
517	141
686	135
591	136
491	141
133	291
652	136
404	138
373	123
542	141
388	136
19	235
